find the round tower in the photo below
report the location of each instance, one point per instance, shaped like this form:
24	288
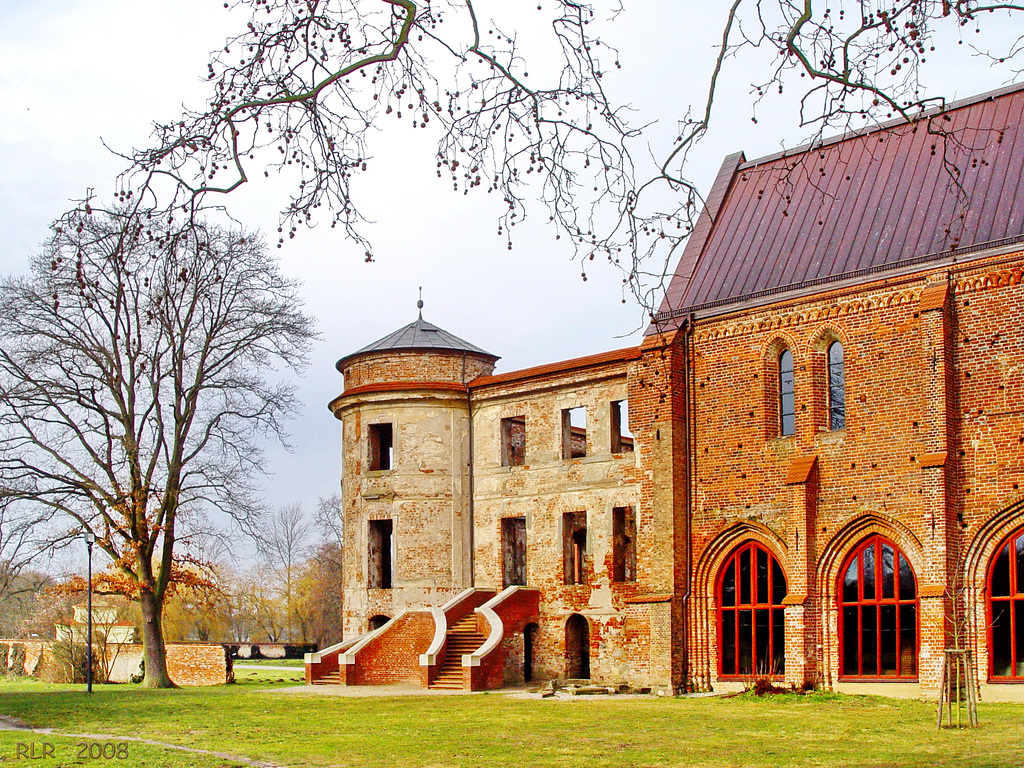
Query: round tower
406	495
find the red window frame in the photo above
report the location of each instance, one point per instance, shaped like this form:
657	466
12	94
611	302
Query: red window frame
767	600
870	605
1014	600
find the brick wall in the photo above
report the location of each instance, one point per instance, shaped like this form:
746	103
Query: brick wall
393	657
927	373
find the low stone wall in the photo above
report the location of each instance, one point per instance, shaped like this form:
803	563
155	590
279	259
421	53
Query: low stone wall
191	664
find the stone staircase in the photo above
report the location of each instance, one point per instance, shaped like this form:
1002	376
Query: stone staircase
328	678
460	639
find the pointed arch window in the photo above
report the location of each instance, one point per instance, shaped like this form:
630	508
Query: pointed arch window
787	394
878	612
1006	611
751	617
836	387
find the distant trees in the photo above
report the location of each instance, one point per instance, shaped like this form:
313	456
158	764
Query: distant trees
135	365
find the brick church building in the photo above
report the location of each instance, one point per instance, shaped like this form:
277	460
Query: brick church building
809	469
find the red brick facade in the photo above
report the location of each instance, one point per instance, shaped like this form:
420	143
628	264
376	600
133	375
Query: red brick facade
739	440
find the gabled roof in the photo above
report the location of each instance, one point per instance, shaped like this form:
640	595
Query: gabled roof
876	200
421	336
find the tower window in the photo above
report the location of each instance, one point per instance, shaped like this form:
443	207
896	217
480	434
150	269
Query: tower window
380	571
836	387
381	447
787	396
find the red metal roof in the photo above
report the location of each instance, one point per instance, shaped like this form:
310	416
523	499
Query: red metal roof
563	366
856	205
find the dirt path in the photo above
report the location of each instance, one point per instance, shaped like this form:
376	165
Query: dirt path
13	724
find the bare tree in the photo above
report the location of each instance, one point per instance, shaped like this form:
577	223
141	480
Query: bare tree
300	90
134	367
284	543
23	538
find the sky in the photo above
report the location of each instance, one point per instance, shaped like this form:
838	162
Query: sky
78	77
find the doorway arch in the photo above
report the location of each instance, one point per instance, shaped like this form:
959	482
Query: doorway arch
577	648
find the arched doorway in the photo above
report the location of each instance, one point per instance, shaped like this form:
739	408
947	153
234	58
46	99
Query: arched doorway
1006	610
577	648
877	612
378	621
751	617
529	649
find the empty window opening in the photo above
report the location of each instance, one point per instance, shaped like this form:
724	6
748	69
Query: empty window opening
751	617
1006	611
577	648
623	544
513	551
382	447
513	441
574	547
529	650
380	571
622	438
378	621
787	396
574	433
878	612
836	387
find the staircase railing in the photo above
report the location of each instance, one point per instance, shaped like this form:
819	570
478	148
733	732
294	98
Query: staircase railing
506	613
447	616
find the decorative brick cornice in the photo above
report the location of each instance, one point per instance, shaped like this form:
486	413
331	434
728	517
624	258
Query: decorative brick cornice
823	309
1002	278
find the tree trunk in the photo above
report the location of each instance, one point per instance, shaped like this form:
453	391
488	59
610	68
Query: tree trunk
153	650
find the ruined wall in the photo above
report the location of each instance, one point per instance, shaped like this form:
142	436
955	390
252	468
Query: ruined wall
544	490
929	457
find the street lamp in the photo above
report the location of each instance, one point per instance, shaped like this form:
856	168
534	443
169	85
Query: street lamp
90	538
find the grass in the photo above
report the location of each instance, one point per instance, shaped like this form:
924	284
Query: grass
495	730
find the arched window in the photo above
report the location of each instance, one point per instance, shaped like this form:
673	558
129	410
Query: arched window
751	618
878	612
836	387
787	397
1006	610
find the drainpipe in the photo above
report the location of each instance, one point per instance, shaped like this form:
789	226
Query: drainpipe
472	526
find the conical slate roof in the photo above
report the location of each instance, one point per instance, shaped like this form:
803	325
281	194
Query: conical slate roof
419	335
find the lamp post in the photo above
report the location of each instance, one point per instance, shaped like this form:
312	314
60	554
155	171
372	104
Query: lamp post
90	538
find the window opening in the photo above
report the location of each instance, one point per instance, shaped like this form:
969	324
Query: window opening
577	648
574	547
752	620
381	447
787	396
574	433
1006	610
378	621
529	649
836	387
878	612
622	438
623	544
513	441
380	571
513	549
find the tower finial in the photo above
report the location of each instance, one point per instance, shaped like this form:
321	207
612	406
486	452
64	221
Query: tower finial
419	304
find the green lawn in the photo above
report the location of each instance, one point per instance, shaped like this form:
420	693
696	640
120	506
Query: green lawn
495	730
